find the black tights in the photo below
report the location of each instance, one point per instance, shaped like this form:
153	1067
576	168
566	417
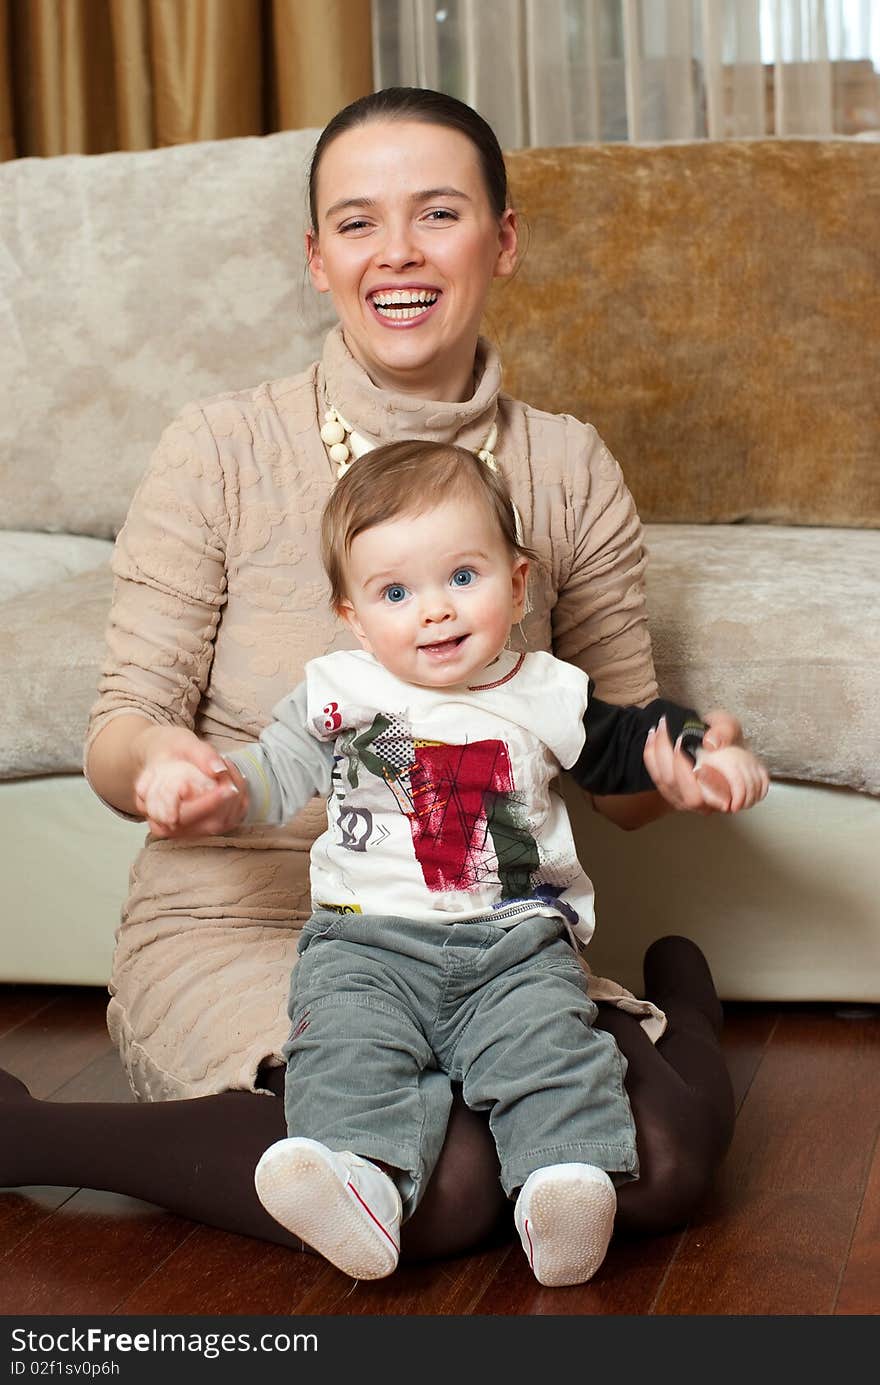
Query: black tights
196	1158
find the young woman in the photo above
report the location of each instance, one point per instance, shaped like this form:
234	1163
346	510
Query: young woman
219	603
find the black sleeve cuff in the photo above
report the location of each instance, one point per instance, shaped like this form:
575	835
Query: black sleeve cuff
611	761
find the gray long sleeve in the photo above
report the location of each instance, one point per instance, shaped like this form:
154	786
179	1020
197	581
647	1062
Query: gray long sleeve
287	767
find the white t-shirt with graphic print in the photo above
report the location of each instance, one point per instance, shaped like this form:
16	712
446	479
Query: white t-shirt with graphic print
440	801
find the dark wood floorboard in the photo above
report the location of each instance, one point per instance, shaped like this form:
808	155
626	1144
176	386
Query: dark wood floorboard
57	1040
103	1079
860	1285
436	1287
747	1032
88	1256
627	1283
20	1003
214	1272
23	1211
775	1236
792	1226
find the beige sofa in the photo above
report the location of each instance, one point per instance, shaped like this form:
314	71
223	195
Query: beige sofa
691	301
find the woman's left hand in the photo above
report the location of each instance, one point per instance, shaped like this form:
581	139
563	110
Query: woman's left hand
673	771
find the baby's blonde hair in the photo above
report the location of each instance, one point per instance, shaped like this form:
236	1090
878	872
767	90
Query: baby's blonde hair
408	478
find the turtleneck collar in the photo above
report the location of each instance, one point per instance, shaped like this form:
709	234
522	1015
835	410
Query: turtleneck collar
384	416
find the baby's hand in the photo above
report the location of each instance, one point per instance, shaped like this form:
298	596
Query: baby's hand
164	786
730	779
184	788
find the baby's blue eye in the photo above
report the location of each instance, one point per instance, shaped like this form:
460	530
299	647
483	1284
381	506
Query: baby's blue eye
395	594
463	577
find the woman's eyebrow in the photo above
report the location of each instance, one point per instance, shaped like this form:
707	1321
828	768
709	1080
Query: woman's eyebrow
427	195
430	193
349	202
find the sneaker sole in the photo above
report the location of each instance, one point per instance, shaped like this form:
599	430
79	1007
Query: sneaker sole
305	1195
568	1228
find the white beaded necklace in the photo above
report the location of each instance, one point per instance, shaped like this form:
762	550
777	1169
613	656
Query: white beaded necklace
344	445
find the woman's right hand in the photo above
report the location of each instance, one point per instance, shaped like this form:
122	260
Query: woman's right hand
211	801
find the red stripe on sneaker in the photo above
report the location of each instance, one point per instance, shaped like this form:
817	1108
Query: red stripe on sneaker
531	1247
372	1216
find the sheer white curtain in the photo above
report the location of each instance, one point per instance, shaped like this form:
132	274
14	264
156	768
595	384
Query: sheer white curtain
547	72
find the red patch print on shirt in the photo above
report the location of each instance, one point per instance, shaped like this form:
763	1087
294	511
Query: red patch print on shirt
452	785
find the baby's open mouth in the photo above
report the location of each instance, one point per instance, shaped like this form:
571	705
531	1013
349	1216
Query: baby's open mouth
443	646
400	305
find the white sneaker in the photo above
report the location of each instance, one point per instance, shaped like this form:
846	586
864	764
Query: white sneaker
343	1206
565	1215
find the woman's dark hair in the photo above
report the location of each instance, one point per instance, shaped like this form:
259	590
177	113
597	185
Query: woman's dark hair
432	107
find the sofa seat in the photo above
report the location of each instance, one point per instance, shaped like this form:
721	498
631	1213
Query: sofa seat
29	560
51	650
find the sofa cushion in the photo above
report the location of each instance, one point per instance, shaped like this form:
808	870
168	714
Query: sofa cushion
713	308
129	284
51	652
780	626
29	560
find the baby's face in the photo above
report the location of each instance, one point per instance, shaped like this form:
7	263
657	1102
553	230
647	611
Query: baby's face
433	596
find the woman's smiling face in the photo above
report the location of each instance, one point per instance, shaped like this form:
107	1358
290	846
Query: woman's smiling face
407	243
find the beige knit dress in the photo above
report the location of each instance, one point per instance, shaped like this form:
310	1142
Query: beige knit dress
220	600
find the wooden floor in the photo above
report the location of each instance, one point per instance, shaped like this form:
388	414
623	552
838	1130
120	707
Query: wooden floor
793	1226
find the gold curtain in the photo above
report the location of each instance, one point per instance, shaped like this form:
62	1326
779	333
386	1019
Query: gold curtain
90	76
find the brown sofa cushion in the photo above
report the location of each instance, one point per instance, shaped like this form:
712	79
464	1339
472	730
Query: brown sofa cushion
714	309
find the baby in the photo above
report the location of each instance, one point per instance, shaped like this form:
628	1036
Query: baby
449	906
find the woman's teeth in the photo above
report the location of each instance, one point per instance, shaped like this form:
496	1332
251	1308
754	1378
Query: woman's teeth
401	304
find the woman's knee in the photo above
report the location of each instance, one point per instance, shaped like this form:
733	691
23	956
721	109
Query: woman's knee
676	1170
464	1205
681	1132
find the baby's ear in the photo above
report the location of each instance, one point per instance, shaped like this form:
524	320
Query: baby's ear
519	578
346	612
